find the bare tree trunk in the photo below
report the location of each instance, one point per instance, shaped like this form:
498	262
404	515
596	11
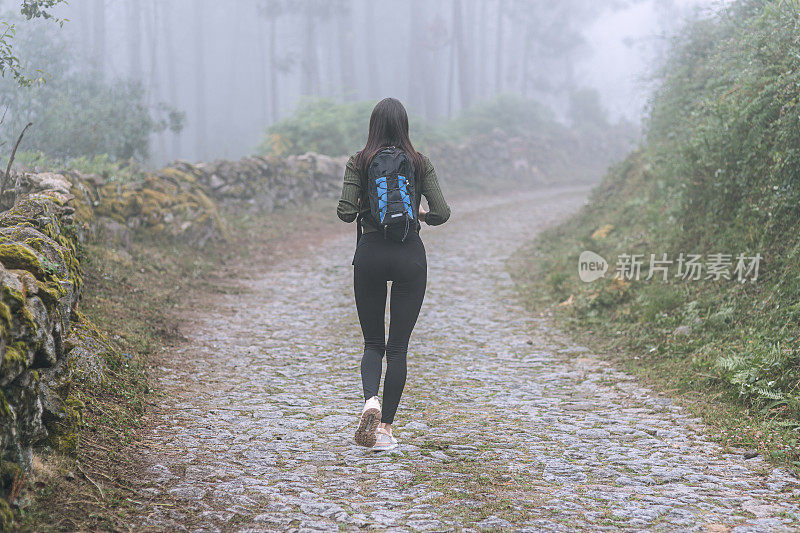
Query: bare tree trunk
468	37
134	25
520	33
273	68
464	74
154	94
329	69
416	56
262	78
170	66
498	64
84	28
310	63
482	48
99	36
435	47
451	75
430	86
526	55
346	70
231	72
200	77
373	76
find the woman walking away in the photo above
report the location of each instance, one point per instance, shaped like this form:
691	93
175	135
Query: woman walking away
383	185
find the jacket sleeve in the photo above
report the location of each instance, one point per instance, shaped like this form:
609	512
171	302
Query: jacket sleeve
439	211
351	192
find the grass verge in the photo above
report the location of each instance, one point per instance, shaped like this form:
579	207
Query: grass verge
675	335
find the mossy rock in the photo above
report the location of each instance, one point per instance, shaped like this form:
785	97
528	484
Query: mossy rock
83	204
119	205
50	292
5	408
9	471
176	175
6	516
12	295
65	435
6	318
52	257
21	256
153	198
16	358
205	201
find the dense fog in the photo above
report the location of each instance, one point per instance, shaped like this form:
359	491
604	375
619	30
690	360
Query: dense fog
235	67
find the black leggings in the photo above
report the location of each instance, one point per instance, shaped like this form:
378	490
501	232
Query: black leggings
377	261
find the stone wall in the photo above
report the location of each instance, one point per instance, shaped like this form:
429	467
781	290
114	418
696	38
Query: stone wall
166	203
40	284
264	184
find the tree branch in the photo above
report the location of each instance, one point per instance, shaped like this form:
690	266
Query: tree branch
11	160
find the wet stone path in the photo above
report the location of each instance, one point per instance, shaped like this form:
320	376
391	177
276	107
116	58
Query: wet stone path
502	425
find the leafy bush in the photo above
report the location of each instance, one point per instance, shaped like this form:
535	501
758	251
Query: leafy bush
85	115
9	62
319	125
77	113
586	110
514	114
322	125
740	143
720	172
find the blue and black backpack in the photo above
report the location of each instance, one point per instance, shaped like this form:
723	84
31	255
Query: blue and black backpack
391	189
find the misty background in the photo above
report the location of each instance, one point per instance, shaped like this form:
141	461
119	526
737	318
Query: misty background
219	73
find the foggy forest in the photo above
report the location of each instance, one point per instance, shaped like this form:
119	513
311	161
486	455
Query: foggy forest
399	265
222	72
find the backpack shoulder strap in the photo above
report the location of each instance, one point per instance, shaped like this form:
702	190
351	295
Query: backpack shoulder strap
362	176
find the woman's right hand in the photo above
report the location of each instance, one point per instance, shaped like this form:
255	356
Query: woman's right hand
422	214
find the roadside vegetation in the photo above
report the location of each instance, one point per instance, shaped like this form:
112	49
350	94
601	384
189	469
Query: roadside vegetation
718	172
332	128
74	110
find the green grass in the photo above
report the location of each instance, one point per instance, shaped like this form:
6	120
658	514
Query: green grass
718	173
636	322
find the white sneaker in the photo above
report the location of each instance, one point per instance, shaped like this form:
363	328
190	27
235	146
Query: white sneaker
384	441
370	418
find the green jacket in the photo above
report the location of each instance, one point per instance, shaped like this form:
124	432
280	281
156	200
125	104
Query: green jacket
354	198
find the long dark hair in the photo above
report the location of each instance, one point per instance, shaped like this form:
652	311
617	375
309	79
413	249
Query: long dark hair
388	126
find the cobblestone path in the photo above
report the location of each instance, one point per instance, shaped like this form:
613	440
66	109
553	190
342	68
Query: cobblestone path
502	425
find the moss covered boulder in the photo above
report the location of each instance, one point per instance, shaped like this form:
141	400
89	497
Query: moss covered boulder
40	282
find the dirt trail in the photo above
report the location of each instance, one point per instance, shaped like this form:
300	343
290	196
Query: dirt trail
502	425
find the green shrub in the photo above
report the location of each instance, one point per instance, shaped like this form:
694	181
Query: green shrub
586	110
77	113
720	172
322	125
514	114
319	125
84	116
